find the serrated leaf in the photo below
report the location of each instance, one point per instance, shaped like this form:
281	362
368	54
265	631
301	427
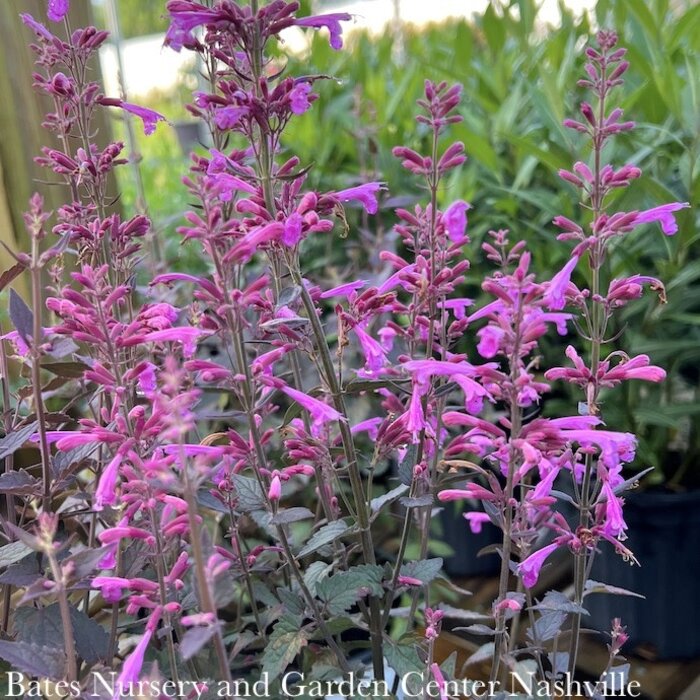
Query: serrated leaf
425	570
403	658
21	316
44	627
34	660
597	587
13	552
20	483
316	572
407	465
555	600
15	439
342	590
249	493
380	501
291	515
547	626
285	642
325	535
293	602
417	501
24	573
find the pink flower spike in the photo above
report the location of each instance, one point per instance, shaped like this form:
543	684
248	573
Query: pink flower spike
455	220
366	194
57	10
149	117
558	285
662	214
529	569
331	22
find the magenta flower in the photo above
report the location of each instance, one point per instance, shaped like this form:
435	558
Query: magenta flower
57	10
275	491
554	296
374	353
38	27
228	117
106	491
366	194
529	569
292	230
331	22
476	520
320	412
455	220
615	525
299	98
131	670
663	214
343	290
149	117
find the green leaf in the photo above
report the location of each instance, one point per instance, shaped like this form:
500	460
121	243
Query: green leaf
291	515
285	642
380	501
342	590
403	658
425	570
325	535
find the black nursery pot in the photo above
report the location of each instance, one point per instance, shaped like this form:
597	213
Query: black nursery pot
467	545
664	534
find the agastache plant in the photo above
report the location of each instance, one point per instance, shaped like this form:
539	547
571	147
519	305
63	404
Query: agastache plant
239	538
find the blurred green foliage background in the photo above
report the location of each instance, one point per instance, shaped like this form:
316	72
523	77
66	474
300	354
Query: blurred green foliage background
519	83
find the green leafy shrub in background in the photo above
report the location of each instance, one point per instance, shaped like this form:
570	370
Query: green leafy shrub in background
515	75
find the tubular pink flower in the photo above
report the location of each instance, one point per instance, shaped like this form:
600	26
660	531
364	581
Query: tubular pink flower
331	22
476	520
343	290
149	117
131	670
373	352
440	680
409	581
455	220
299	98
554	296
57	10
275	491
615	525
292	230
529	569
663	214
106	491
470	491
366	194
38	28
321	413
180	334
